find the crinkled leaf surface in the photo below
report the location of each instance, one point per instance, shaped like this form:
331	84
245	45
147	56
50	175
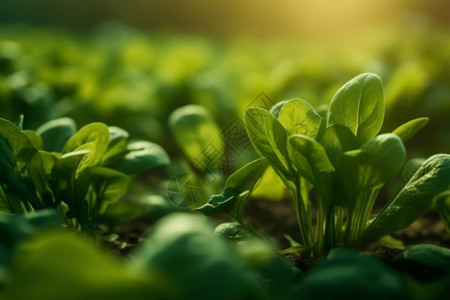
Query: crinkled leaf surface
298	117
432	178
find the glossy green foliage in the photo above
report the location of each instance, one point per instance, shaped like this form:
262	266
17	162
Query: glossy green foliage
82	180
341	164
416	197
359	105
237	188
269	138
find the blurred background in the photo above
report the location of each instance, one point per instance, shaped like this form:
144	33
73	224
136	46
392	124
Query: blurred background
131	63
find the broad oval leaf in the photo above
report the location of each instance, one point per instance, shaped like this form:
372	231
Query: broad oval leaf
56	133
359	105
298	117
269	138
378	161
93	137
429	255
198	136
432	178
141	156
409	129
387	154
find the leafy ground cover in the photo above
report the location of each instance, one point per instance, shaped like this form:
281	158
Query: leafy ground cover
325	200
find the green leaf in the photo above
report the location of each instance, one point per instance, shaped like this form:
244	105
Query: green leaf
65	172
414	199
200	263
312	162
18	142
56	133
198	136
269	139
34	138
359	105
409	129
409	170
109	186
346	274
390	242
141	156
41	272
93	137
237	188
337	139
17	151
378	161
298	117
429	255
387	156
37	174
117	145
442	205
234	232
275	110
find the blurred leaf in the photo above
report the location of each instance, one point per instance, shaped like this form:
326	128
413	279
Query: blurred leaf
347	275
185	247
56	133
78	270
93	137
141	156
429	255
198	136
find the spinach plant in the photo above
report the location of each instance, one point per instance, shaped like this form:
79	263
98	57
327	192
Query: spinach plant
79	172
335	163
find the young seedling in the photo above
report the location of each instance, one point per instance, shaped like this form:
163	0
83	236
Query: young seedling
335	164
79	172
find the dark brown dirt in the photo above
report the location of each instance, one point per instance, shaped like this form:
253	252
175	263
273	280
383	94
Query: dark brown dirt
277	219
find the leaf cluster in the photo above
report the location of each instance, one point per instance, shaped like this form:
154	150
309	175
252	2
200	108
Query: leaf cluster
335	162
79	172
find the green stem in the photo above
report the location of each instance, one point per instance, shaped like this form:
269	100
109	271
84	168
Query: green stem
319	221
330	229
303	218
348	225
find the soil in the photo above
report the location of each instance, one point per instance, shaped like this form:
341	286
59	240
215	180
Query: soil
277	219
